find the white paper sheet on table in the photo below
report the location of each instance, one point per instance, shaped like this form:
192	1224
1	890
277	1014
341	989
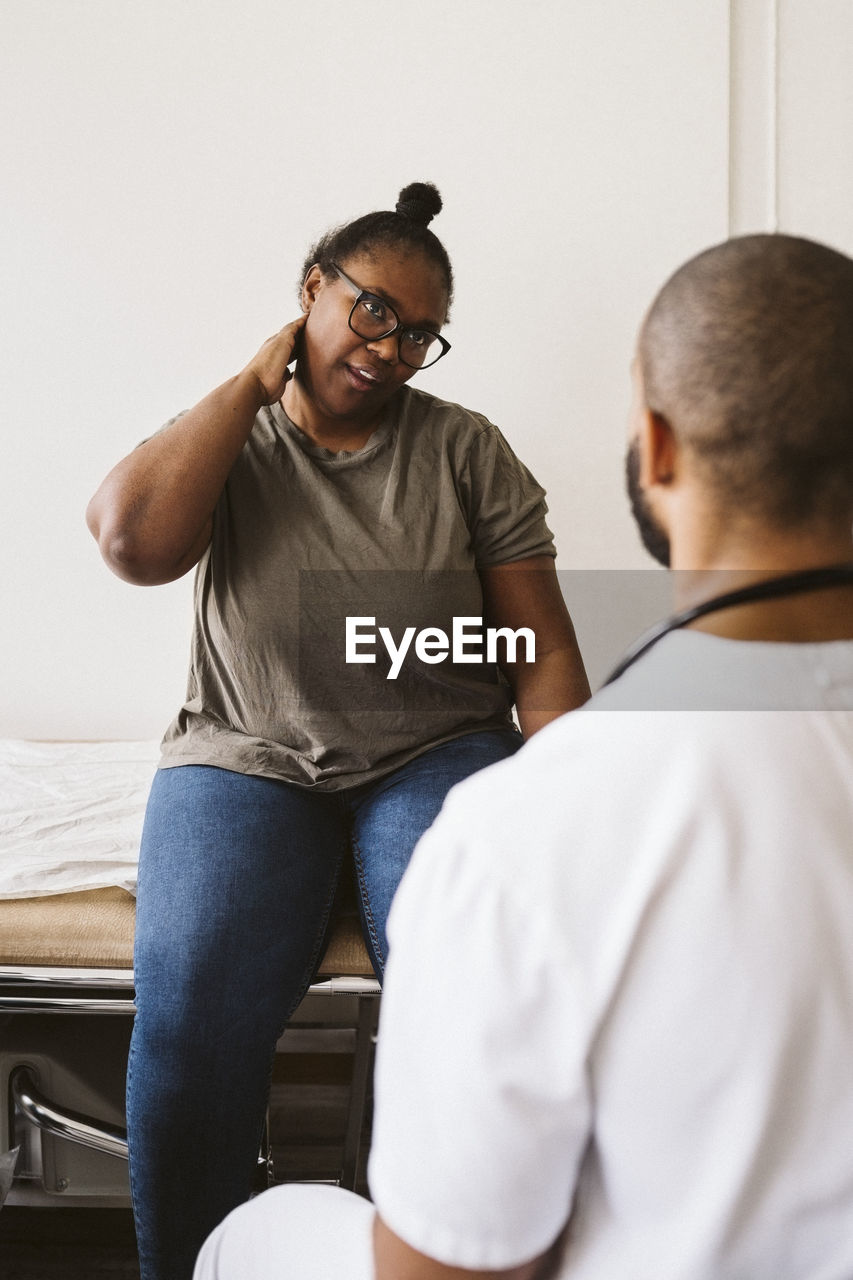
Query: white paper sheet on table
71	814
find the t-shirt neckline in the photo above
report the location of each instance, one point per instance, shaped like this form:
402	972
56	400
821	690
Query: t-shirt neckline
340	458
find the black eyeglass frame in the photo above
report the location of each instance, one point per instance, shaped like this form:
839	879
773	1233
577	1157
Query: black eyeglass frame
399	328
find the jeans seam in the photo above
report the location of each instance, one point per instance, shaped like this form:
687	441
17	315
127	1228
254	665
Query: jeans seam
320	937
364	898
307	975
130	1170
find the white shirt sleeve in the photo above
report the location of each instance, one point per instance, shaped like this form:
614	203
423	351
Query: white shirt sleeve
482	1101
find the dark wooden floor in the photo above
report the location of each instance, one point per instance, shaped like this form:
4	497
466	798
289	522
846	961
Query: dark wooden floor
308	1108
74	1244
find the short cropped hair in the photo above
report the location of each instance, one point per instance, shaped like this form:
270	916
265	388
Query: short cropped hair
747	351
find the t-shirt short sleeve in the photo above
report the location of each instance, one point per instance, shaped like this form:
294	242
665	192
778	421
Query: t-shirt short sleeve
481	1120
505	505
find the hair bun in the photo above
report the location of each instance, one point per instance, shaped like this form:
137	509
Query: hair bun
419	202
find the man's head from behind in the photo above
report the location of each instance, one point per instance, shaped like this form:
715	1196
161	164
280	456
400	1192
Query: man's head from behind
746	358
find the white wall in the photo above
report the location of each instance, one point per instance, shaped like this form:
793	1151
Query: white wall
167	162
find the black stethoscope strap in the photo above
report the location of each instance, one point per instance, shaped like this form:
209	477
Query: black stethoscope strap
788	584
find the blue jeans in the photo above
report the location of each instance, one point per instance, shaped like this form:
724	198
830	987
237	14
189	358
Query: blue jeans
237	877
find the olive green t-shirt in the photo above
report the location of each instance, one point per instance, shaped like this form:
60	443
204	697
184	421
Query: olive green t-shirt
392	536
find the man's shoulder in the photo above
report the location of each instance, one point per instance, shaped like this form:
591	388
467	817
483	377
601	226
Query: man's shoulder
694	671
598	781
573	771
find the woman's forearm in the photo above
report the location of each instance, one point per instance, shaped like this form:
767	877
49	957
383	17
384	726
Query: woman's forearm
554	684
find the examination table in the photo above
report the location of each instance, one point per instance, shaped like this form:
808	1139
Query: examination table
70	818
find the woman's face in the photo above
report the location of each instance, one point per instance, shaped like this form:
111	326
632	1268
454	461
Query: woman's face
349	377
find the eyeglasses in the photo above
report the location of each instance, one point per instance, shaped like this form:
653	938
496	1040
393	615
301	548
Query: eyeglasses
373	318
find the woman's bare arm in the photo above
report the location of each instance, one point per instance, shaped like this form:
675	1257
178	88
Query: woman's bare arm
152	516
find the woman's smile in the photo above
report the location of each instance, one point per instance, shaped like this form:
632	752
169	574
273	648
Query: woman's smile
364	377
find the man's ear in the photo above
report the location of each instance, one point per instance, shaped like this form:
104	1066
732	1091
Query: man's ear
311	286
658	450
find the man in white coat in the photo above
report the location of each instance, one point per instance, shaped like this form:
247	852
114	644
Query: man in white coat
617	1026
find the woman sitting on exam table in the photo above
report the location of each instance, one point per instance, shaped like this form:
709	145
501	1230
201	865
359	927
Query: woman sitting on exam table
349	533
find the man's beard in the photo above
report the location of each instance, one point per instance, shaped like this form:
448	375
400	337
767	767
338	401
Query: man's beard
652	534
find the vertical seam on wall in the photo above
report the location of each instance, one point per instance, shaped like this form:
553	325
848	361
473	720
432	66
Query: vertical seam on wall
731	123
755	55
774	115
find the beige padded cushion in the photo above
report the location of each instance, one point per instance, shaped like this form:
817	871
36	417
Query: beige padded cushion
93	929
